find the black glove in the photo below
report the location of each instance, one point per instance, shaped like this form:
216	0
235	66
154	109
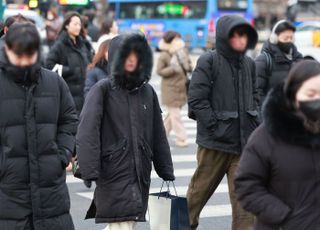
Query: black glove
168	177
87	183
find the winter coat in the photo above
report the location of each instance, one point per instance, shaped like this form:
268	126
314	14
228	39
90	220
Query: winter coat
280	67
224	106
74	59
121	133
95	74
38	122
173	64
279	171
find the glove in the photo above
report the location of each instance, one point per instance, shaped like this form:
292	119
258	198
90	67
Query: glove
87	183
169	177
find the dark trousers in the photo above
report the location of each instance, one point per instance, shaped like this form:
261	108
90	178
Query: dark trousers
212	167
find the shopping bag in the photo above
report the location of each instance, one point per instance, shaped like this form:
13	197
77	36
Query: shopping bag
168	212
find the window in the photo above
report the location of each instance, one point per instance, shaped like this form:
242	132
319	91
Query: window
240	5
170	10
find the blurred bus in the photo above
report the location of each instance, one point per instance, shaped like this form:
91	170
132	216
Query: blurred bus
195	20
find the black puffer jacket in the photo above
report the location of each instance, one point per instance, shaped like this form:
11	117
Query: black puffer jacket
225	105
38	122
280	67
74	59
120	133
279	171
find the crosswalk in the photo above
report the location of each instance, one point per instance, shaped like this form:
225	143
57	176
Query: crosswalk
184	160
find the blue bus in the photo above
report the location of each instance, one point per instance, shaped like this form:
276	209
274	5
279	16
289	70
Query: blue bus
195	20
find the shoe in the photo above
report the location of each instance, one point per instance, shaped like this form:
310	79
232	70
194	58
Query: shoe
182	144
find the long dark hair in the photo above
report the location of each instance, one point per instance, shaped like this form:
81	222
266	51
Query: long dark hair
100	55
67	20
106	26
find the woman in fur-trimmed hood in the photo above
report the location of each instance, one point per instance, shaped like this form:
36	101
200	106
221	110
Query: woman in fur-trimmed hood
279	171
121	133
173	66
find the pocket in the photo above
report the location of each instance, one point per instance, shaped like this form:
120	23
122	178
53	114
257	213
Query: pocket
227	127
146	160
114	159
253	119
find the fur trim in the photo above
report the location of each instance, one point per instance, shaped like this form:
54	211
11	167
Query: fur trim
138	44
173	47
281	122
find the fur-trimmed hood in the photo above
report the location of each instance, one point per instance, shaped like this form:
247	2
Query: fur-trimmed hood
138	44
281	121
173	47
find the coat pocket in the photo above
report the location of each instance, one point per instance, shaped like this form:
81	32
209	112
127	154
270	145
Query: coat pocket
227	127
146	161
114	159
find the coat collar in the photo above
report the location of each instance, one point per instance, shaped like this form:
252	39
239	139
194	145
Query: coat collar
282	123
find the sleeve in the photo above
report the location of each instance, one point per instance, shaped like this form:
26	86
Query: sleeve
91	79
67	122
262	77
88	136
251	183
255	91
162	160
54	57
199	92
164	69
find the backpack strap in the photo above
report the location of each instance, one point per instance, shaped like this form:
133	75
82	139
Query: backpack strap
269	63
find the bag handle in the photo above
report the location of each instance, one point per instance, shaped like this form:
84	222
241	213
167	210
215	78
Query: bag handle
168	187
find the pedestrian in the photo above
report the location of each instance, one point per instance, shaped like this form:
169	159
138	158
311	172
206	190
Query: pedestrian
93	30
98	69
223	99
277	56
53	25
278	175
19	18
38	124
120	133
173	66
71	53
109	29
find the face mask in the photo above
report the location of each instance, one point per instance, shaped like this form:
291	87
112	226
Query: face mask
311	109
285	46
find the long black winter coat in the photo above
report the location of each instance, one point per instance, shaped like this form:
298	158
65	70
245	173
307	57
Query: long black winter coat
74	59
278	175
281	66
38	122
225	106
99	72
120	133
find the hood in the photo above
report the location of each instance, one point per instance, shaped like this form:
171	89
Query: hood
30	77
172	47
282	123
113	49
280	56
225	26
138	44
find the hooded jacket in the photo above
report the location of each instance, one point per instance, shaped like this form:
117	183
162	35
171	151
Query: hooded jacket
225	105
281	66
173	65
278	175
120	134
38	122
74	59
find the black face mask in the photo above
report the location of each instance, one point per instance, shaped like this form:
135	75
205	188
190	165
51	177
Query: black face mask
285	46
311	109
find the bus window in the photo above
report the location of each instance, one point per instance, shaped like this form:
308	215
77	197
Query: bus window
233	5
163	10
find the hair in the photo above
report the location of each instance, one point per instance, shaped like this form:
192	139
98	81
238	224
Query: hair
240	30
100	55
90	15
23	38
286	25
19	18
67	20
170	35
106	26
298	74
